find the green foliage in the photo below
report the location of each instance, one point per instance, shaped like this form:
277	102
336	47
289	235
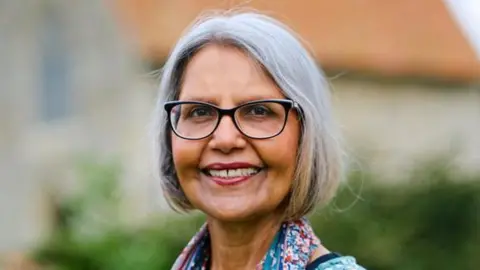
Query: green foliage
430	221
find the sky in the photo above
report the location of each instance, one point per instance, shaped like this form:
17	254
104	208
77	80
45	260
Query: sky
467	14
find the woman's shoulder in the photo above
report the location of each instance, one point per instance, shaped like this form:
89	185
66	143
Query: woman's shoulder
334	261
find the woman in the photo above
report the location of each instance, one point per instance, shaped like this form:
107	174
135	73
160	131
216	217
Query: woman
244	134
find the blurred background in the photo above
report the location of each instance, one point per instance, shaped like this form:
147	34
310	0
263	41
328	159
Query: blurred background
77	88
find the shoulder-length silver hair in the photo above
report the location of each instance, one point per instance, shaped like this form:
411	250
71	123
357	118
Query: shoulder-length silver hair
279	51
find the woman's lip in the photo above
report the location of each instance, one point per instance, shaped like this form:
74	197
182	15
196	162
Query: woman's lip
230	181
229	166
221	181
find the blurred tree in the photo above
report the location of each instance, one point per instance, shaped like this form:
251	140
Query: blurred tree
428	222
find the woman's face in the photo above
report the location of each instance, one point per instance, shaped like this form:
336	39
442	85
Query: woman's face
226	77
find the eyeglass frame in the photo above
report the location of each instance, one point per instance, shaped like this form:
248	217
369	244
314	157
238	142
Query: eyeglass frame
286	103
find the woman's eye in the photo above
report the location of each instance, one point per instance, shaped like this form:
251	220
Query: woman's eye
200	111
259	110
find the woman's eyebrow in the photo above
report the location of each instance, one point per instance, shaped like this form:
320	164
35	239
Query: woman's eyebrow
258	97
239	101
200	99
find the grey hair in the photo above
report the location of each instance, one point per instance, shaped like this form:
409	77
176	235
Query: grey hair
281	53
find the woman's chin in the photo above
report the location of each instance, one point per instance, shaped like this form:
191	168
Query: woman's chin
232	212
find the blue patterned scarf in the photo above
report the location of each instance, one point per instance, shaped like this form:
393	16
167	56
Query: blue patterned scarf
291	248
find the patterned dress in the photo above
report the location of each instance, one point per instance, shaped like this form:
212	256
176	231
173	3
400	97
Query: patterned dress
291	249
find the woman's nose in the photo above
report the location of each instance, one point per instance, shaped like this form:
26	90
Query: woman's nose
227	137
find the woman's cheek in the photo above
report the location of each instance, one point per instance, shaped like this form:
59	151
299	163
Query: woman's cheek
186	155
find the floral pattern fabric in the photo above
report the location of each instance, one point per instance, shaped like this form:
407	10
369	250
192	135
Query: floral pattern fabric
291	249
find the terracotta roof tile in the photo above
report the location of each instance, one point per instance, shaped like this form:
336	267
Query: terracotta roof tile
398	38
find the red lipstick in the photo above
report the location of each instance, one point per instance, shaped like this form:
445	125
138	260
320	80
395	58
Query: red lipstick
229	166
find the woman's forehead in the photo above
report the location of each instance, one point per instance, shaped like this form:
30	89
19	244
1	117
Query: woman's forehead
215	62
219	72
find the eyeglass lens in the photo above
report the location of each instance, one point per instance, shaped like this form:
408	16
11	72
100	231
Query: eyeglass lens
257	120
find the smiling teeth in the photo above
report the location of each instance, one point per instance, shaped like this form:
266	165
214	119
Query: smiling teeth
233	173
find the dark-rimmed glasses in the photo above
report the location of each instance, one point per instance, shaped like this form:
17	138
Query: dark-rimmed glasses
260	119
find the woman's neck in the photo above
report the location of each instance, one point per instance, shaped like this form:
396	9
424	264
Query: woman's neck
241	245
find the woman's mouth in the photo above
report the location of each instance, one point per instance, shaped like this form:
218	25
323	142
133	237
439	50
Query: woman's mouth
230	177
